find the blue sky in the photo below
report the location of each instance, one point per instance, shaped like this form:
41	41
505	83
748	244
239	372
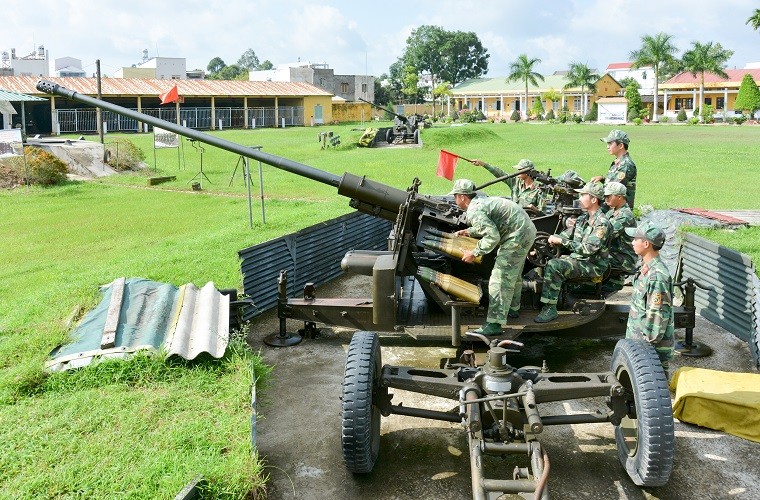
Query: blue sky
356	37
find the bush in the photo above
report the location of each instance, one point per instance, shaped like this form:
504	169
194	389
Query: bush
515	116
740	119
681	115
468	116
664	119
633	114
577	118
454	115
550	115
592	114
693	120
45	169
503	120
707	114
479	115
122	154
637	121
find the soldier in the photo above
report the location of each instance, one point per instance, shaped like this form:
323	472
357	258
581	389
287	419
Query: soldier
651	314
525	190
587	241
502	224
622	257
622	169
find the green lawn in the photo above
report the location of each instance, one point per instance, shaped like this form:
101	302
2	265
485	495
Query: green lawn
144	429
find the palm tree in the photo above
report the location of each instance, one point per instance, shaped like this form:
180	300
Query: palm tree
522	69
754	19
581	76
703	58
656	52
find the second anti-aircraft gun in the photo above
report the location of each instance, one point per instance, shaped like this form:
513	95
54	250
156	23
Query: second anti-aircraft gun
406	129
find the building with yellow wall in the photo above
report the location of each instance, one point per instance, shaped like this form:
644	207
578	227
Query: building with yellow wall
682	92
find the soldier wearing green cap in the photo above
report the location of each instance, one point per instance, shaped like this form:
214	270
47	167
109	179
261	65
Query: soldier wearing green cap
651	315
525	190
503	226
587	241
622	257
622	169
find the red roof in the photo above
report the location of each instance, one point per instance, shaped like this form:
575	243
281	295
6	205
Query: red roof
153	87
734	76
620	65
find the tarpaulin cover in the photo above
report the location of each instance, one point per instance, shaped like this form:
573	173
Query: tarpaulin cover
725	401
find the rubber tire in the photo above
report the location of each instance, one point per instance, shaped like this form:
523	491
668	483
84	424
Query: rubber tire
416	137
389	136
648	455
360	419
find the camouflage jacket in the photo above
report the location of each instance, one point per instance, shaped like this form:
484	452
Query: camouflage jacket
588	241
521	194
651	313
623	170
622	255
497	221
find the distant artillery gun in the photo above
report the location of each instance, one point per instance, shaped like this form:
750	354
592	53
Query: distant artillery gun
406	129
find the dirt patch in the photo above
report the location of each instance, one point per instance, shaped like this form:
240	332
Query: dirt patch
9	177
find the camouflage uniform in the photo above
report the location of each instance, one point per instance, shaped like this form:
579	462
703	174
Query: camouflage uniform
622	256
623	170
587	241
522	194
651	314
501	223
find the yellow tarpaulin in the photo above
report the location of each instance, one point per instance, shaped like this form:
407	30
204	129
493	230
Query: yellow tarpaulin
724	401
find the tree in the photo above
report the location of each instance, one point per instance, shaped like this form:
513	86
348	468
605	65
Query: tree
267	64
215	65
748	98
624	82
522	70
442	90
581	76
382	92
411	81
553	96
249	60
754	19
703	58
634	100
537	109
656	51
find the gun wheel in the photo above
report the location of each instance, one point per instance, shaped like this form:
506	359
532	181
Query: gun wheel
360	434
645	437
542	252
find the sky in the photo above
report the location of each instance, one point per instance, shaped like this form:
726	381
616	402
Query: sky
354	37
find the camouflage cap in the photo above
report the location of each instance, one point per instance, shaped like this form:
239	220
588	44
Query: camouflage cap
524	163
595	189
463	186
616	136
615	188
648	231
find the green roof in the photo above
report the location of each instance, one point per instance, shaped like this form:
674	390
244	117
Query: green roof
7	95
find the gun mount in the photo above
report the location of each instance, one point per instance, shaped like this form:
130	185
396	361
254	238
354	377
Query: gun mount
406	129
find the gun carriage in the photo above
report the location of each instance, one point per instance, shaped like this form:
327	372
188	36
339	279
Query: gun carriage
406	129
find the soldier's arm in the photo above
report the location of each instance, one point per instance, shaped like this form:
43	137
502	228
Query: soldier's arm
659	310
497	172
592	243
484	227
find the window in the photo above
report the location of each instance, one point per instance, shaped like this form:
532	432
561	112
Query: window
576	104
344	88
708	101
498	105
321	82
720	103
364	88
684	103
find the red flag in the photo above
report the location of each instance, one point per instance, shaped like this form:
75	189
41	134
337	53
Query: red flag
172	95
447	162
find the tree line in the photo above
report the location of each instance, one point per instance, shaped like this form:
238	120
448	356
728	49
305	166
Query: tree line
248	61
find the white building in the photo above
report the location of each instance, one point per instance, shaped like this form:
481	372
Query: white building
69	66
34	64
644	75
161	68
348	87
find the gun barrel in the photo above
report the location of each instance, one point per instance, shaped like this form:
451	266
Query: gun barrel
270	159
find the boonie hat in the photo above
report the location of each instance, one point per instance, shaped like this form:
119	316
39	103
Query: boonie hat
463	186
595	189
524	163
615	188
648	231
617	136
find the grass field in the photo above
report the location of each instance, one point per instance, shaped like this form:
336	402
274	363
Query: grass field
144	429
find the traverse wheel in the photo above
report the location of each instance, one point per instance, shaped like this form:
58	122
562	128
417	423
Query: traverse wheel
645	437
542	252
360	426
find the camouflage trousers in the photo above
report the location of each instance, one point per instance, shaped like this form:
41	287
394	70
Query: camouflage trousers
664	346
505	283
563	268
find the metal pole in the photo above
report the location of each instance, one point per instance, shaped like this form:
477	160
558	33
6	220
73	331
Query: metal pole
247	175
98	111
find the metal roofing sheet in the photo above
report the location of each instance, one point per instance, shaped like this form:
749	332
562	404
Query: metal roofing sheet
136	314
500	84
153	87
6	95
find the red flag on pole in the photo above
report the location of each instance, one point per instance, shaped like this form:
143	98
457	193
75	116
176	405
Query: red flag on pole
447	162
171	95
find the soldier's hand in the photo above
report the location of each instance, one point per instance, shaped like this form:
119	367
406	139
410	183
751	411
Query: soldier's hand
479	163
597	178
462	232
468	257
554	240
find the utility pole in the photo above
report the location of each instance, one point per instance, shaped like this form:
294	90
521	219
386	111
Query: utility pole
98	111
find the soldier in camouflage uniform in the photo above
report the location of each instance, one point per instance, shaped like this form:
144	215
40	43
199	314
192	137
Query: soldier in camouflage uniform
651	314
622	169
525	190
622	257
500	224
587	241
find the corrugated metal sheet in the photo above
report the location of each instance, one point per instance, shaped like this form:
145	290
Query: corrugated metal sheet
137	314
754	341
731	275
112	87
311	255
16	97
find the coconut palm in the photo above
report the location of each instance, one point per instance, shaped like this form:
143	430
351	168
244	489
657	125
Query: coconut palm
754	19
581	76
656	52
703	58
522	69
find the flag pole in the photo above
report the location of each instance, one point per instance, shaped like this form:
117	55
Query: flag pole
453	154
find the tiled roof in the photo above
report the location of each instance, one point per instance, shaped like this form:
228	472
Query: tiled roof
112	87
735	77
620	65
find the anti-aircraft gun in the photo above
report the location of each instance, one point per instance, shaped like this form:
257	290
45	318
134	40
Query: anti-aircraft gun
406	129
419	281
